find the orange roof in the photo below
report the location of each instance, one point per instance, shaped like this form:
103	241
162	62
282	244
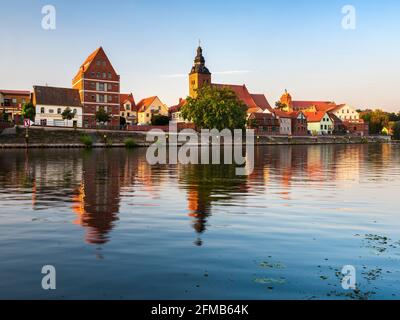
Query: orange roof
282	114
315	116
177	107
124	97
319	105
261	101
145	103
241	92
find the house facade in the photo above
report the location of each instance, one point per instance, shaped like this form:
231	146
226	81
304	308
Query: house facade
285	122
319	123
148	107
345	112
99	88
299	124
264	123
51	102
12	101
128	109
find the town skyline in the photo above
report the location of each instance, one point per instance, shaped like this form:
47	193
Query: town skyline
345	73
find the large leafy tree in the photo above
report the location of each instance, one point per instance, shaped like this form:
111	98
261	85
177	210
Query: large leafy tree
215	108
28	111
102	116
396	130
159	120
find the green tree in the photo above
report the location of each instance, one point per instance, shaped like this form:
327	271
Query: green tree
215	108
28	111
4	115
280	106
102	115
396	130
376	119
68	114
122	122
159	120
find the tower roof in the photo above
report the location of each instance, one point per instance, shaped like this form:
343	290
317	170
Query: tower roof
200	63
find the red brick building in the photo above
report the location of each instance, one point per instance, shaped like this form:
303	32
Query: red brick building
99	87
264	123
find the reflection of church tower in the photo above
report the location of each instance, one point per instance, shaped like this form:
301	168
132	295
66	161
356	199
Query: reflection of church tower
286	99
200	75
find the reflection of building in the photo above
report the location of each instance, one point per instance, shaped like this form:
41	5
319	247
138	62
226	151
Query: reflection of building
50	104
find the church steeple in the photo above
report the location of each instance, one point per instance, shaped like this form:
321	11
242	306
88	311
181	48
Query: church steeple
199	75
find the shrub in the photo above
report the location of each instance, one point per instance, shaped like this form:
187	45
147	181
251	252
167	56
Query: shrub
130	143
87	141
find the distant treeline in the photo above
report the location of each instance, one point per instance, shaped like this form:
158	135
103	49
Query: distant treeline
380	121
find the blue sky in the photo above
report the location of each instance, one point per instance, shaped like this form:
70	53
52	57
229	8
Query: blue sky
268	45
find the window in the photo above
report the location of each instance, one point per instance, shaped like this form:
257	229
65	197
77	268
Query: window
109	87
104	63
100	87
23	100
98	74
92	74
127	107
59	111
322	127
98	62
42	110
109	76
75	111
147	115
51	111
109	98
14	100
43	122
104	75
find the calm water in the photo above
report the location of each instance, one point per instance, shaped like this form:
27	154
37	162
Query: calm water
116	228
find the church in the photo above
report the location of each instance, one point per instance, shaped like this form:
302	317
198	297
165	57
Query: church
200	76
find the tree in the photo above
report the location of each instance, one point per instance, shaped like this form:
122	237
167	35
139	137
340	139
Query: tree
4	115
28	111
215	108
159	120
396	130
376	119
280	106
68	114
122	122
102	116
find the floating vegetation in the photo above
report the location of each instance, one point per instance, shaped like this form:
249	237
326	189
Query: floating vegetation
268	265
380	244
278	281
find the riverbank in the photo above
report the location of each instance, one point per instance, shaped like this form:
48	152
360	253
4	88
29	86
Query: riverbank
12	138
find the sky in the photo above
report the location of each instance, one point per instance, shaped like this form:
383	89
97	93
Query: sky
270	46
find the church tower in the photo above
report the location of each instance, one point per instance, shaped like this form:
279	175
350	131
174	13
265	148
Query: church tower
200	75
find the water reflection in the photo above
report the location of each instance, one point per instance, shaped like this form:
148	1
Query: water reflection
91	182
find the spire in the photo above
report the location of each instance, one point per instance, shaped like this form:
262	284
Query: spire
200	62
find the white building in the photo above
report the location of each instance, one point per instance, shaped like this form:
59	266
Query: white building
345	113
51	102
285	122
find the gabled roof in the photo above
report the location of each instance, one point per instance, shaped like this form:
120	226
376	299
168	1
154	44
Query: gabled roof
282	114
145	103
319	105
15	92
125	97
262	102
241	92
52	96
85	65
177	107
335	119
315	116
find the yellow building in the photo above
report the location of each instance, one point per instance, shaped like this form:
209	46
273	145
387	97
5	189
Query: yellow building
199	75
149	107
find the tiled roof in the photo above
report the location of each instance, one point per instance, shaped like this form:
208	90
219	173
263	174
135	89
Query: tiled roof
315	116
177	107
262	102
53	96
241	92
16	92
124	97
319	105
145	103
282	114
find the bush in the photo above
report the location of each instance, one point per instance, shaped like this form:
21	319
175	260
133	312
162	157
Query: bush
159	120
130	143
87	141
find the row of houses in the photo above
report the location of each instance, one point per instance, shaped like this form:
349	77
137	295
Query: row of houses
96	86
290	118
